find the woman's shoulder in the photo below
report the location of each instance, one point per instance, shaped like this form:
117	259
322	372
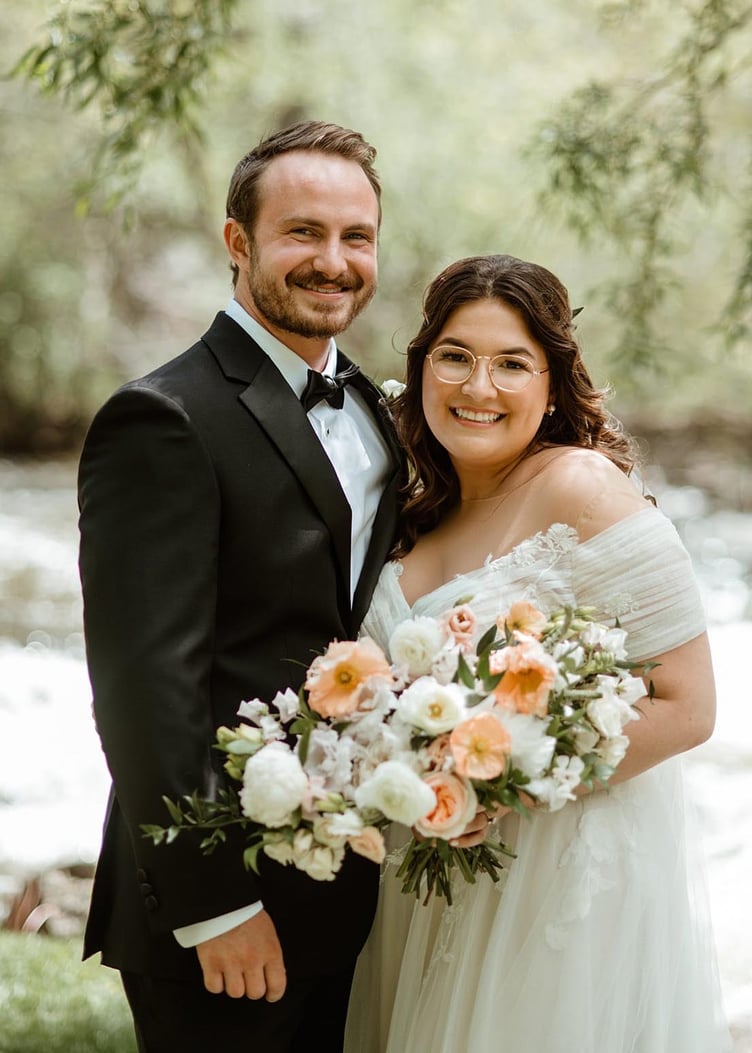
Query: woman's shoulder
587	491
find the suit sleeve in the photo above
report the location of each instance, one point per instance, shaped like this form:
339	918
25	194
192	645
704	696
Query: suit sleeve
150	522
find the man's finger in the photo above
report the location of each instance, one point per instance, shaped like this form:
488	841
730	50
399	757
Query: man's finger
276	981
213	981
255	984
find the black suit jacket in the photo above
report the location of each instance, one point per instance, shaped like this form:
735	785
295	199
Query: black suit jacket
215	555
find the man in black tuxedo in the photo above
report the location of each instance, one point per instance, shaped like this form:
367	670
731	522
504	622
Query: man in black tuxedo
229	531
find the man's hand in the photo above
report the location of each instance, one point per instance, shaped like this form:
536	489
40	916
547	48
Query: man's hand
245	962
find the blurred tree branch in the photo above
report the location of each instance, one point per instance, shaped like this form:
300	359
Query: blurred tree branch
623	157
142	63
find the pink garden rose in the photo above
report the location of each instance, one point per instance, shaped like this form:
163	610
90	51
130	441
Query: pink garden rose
369	843
460	624
456	804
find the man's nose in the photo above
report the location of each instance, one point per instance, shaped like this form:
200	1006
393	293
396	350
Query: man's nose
330	258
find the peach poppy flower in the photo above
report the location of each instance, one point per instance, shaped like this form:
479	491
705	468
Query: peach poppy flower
523	617
480	747
528	676
337	681
460	623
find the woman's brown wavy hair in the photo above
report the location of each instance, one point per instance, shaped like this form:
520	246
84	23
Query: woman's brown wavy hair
580	418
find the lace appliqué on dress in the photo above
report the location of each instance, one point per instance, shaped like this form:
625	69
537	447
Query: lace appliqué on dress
605	835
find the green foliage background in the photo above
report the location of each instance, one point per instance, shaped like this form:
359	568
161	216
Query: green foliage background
583	136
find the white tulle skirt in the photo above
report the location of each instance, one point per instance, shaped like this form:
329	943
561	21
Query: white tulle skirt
597	941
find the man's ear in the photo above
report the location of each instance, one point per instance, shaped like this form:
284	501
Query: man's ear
236	241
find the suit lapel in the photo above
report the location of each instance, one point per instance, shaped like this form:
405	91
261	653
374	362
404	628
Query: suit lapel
273	405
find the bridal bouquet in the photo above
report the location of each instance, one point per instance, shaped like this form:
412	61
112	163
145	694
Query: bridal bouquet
427	737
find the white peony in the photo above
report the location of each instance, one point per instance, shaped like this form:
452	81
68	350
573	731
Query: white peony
431	706
415	645
532	748
398	792
274	785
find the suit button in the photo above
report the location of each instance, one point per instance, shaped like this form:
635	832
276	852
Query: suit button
146	888
151	903
141	875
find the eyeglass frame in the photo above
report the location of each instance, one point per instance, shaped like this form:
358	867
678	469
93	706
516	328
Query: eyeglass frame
477	358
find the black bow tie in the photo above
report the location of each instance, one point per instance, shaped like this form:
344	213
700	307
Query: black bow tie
330	389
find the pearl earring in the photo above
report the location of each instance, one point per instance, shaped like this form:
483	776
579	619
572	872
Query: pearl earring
550	409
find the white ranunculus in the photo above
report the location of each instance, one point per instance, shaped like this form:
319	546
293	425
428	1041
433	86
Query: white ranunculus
532	748
398	792
415	644
345	824
274	785
431	706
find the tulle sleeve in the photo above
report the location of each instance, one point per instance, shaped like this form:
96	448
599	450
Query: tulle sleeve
639	571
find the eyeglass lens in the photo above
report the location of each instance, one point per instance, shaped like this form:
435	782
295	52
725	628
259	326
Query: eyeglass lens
454	365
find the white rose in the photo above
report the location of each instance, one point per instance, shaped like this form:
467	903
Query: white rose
415	645
532	748
397	792
431	706
274	785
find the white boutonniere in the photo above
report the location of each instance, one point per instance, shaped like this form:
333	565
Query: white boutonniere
390	389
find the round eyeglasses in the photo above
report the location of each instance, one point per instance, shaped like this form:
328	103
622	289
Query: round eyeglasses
455	365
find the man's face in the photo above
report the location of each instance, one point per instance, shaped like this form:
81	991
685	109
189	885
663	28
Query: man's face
311	265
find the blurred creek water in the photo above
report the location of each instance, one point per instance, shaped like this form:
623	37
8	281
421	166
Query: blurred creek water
53	780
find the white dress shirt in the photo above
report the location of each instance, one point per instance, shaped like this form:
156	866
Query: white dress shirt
352	442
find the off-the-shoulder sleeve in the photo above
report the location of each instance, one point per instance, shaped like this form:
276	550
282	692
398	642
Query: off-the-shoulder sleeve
639	571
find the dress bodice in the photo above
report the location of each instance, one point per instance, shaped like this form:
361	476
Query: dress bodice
636	570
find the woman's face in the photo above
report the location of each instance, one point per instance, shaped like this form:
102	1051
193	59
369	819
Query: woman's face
481	427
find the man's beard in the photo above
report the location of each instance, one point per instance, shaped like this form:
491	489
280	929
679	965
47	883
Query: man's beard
321	320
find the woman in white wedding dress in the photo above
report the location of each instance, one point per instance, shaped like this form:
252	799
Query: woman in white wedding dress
596	940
